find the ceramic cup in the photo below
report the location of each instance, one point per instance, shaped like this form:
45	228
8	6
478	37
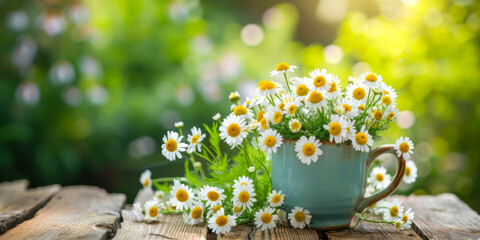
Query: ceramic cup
332	188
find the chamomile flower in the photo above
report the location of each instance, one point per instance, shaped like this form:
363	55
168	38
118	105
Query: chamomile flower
243	112
138	212
252	102
389	95
404	147
407	218
213	210
244	196
308	149
291	104
238	209
234	97
195	139
316	100
300	88
358	91
220	223
216	117
410	172
281	69
182	196
274	115
371	79
351	130
265	219
337	128
320	80
152	210
299	218
270	140
195	215
232	130
276	199
266	88
393	210
282	216
363	140
251	169
399	225
350	107
379	178
391	113
377	113
173	146
146	179
294	125
159	196
179	124
242	181
334	89
213	195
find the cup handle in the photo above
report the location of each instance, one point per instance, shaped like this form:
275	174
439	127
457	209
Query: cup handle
367	201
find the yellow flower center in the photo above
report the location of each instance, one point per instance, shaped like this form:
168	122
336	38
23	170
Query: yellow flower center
335	128
216	208
196	213
378	115
277	117
282	66
145	183
240	110
153	211
213	196
359	93
386	92
292	109
270	141
195	138
281	105
398	225
386	100
371	78
333	87
347	107
315	97
302	90
394	211
390	116
300	216
260	83
243	196
295	125
276	198
408	170
221	220
379	177
361	138
319	81
171	145
361	107
404	147
405	218
266	218
181	195
264	123
267	85
308	149
233	130
260	115
237	209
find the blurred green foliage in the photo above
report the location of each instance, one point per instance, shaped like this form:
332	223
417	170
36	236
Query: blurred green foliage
88	88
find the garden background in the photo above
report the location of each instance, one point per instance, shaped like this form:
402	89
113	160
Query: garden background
88	88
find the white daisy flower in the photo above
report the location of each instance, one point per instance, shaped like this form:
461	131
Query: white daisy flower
394	210
146	179
334	87
320	80
244	196
398	225
238	210
172	146
265	219
216	117
213	195
299	218
308	149
152	210
276	199
243	112
351	130
404	147
182	196
195	215
195	139
337	128
221	223
363	140
178	124
232	130
410	172
251	169
270	140
138	212
213	210
281	69
294	125
350	107
379	178
371	79
299	87
316	100
377	113
242	181
358	91
159	195
274	114
282	216
267	88
291	106
407	218
234	97
389	95
392	113
255	101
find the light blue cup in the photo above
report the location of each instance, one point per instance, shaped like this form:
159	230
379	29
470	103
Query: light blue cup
332	188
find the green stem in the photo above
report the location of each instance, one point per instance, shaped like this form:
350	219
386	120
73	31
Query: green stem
286	80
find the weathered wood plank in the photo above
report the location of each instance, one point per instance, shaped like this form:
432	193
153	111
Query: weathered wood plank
76	212
18	204
444	216
238	232
286	232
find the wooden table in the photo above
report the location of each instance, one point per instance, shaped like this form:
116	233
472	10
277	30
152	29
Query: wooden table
88	212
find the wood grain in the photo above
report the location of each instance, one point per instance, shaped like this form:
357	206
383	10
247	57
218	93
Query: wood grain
18	204
238	232
286	232
76	212
443	216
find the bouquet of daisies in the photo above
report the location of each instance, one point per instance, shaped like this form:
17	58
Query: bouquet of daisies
312	109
